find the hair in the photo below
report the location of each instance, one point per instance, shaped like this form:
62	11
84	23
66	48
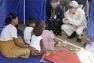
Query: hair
37	31
30	20
54	0
40	23
10	17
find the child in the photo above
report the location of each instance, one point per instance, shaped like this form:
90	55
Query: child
48	38
27	32
36	42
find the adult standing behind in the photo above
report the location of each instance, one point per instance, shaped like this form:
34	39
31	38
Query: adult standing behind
10	46
54	17
75	21
64	4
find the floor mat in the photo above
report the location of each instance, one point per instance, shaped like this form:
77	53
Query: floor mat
63	56
31	59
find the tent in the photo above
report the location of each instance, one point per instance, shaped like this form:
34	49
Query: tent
24	9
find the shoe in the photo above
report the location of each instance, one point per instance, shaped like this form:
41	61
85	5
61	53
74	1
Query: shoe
84	44
72	35
79	40
60	34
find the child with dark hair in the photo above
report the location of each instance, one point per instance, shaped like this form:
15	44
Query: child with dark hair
49	40
36	42
27	32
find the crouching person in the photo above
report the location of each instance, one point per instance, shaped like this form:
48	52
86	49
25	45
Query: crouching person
74	21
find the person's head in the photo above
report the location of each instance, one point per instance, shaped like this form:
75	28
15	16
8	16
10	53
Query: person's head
37	31
41	24
31	22
12	19
73	6
54	3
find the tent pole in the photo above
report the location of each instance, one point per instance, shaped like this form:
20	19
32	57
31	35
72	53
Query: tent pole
24	11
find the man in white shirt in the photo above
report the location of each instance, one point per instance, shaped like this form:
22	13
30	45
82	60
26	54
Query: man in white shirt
74	21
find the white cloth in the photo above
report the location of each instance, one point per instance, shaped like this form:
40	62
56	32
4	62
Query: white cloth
90	47
8	33
77	19
80	6
73	4
76	22
35	42
27	34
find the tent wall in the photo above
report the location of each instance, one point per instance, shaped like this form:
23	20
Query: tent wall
33	8
90	27
7	6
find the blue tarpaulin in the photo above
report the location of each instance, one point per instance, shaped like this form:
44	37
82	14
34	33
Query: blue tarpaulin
90	26
7	6
35	9
24	9
31	59
27	8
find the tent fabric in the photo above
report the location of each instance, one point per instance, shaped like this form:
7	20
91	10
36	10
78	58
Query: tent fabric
31	59
31	8
90	26
63	56
7	6
35	9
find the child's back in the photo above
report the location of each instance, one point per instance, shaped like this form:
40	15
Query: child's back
35	42
27	34
28	30
47	38
36	38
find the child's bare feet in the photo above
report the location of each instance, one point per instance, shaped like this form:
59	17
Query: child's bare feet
60	44
48	53
43	61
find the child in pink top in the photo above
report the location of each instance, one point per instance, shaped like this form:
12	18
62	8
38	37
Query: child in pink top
49	40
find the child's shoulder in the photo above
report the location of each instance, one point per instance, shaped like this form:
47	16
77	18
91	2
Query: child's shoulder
46	31
28	27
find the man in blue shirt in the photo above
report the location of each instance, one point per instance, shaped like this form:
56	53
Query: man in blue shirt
55	15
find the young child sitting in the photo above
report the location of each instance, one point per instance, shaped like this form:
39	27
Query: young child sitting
36	42
27	32
49	40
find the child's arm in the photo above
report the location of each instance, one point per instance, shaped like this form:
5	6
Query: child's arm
32	33
56	40
41	44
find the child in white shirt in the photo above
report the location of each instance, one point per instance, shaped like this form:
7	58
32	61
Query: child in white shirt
27	32
36	42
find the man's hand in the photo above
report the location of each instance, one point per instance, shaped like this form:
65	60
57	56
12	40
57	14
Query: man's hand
66	15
